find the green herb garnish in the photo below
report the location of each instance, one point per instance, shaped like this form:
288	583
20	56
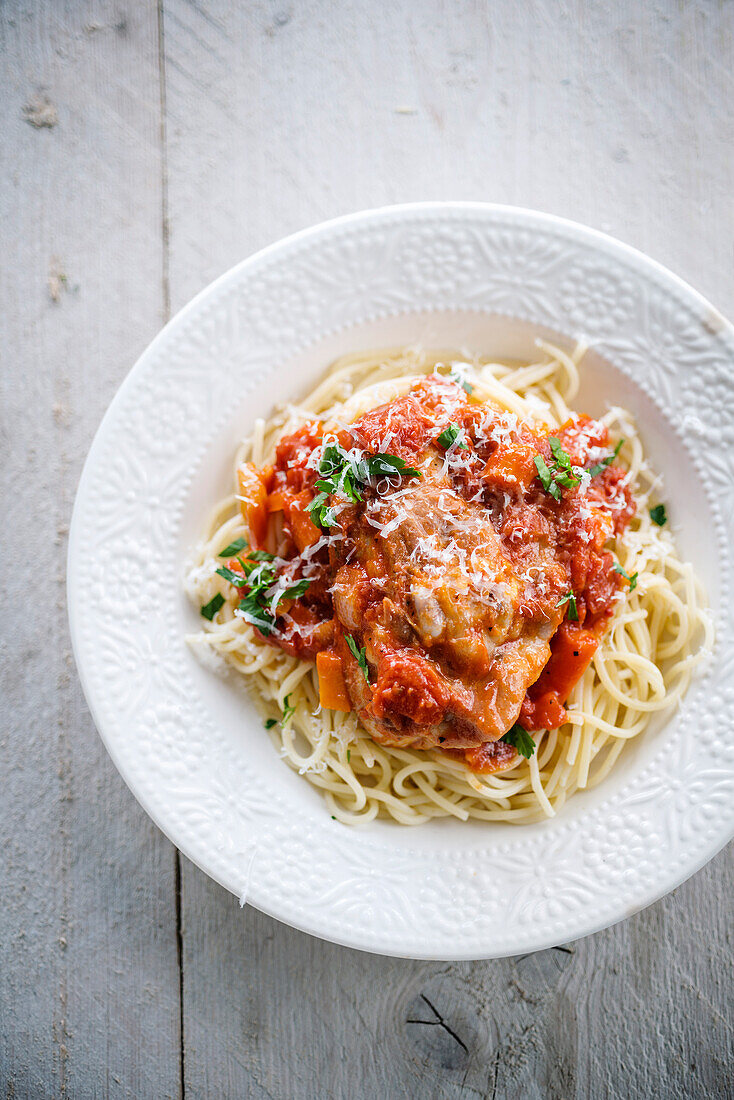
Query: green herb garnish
657	515
261	579
288	712
270	722
253	612
210	609
342	473
459	378
360	655
546	477
570	599
296	590
239	580
520	739
599	466
233	548
561	457
560	473
565	473
450	435
623	573
382	465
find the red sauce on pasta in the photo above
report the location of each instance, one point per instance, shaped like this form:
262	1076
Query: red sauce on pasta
456	600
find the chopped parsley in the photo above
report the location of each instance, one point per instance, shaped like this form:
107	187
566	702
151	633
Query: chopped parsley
295	590
560	473
520	739
561	456
349	755
451	435
657	515
239	580
210	609
270	722
546	477
252	611
233	548
263	584
288	712
459	377
623	573
344	474
570	599
360	656
599	466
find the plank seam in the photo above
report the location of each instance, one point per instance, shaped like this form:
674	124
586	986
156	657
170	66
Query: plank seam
165	226
166	292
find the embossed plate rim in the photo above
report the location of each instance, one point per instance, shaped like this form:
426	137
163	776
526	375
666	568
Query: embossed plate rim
381	929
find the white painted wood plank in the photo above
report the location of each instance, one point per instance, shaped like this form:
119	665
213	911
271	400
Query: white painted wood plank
280	115
616	115
89	1001
641	1010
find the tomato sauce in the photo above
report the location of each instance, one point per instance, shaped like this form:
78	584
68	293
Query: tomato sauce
572	649
497	465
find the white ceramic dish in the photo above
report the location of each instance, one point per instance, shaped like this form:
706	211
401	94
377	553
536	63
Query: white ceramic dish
191	746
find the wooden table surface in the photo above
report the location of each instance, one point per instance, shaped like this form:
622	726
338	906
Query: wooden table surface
145	149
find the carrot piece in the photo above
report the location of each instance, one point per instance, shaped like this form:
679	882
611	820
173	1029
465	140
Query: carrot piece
253	501
332	689
304	530
572	648
267	474
277	501
508	466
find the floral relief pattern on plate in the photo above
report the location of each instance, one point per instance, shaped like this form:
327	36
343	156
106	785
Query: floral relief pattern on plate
473	893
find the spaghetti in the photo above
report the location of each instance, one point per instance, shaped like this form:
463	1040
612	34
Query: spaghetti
657	632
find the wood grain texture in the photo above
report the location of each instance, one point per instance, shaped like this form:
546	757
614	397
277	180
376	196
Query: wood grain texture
186	136
88	963
640	1010
280	115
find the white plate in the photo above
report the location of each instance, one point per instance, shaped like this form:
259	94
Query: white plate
192	748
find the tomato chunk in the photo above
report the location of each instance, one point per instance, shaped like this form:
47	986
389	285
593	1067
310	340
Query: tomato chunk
493	756
510	467
410	685
292	456
572	648
578	435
